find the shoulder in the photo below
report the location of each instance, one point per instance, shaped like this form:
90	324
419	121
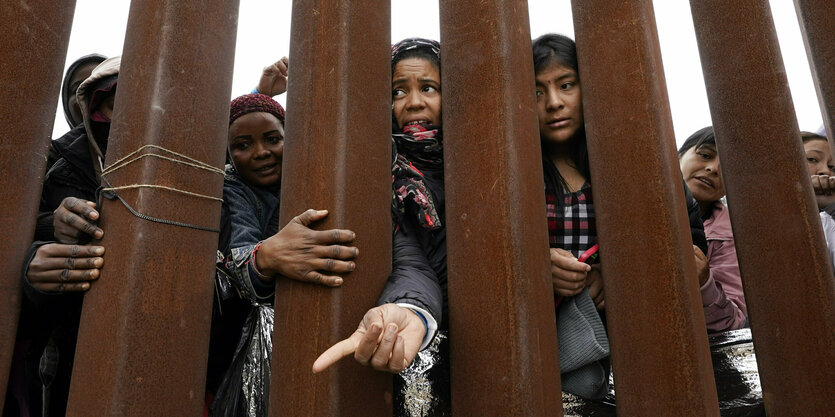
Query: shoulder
718	225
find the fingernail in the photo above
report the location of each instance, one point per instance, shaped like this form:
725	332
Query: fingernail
338	281
391	328
99	233
353	266
98	262
99	251
85	286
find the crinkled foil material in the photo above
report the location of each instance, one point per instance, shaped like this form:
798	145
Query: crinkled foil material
422	389
735	371
256	368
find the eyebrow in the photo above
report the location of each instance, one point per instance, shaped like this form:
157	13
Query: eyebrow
560	78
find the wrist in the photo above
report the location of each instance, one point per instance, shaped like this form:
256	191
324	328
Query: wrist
263	272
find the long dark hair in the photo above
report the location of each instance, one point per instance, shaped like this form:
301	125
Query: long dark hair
548	50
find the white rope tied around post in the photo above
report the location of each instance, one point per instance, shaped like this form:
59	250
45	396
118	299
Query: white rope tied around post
110	191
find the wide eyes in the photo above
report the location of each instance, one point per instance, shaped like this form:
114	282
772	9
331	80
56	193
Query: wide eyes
398	92
274	140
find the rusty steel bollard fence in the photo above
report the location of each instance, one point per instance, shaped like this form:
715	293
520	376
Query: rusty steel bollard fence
337	157
787	278
35	38
143	341
498	259
142	346
660	357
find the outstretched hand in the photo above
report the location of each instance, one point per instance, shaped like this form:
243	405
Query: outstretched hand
274	78
301	253
75	218
57	267
387	339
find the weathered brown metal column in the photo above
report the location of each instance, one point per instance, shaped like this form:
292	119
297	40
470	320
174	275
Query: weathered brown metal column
501	304
817	20
35	38
143	342
660	353
337	157
789	286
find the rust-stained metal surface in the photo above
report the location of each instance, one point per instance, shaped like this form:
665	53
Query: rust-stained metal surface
35	38
503	353
337	156
787	278
817	23
143	341
660	356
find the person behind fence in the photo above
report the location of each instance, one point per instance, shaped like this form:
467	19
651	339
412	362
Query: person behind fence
577	279
575	270
65	258
412	305
254	253
77	72
822	172
719	278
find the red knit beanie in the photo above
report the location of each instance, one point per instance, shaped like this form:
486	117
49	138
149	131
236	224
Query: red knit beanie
252	103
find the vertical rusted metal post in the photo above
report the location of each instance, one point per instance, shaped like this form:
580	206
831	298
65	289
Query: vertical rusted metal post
817	23
143	342
35	38
337	157
660	353
789	286
501	306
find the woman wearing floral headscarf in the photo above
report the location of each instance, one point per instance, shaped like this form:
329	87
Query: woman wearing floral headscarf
411	307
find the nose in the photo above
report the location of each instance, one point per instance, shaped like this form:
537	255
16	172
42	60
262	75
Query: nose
261	151
822	169
554	100
414	102
713	166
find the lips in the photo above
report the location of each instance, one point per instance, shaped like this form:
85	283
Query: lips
267	169
559	123
416	122
705	181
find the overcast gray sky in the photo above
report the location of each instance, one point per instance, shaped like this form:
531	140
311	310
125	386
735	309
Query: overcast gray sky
685	84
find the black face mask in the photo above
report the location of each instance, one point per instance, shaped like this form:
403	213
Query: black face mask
101	132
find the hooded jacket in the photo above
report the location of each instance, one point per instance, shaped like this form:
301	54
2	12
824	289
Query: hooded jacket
51	319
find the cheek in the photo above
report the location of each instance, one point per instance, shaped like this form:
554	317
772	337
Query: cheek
239	159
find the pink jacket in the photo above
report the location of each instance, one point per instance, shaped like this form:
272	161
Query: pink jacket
722	297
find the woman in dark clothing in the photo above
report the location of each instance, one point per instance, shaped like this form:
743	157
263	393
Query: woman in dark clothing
412	304
62	263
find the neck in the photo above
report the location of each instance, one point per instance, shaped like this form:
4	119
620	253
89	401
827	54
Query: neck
705	208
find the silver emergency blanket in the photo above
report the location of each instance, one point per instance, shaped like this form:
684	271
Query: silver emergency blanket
422	389
735	371
245	388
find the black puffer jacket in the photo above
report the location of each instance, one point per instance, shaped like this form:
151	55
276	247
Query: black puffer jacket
419	273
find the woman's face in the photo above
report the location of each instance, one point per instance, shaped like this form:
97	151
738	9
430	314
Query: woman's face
416	92
559	103
818	157
256	145
700	169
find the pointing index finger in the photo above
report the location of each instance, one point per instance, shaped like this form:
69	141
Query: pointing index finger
333	355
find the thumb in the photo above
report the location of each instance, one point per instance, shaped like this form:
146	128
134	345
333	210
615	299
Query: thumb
310	216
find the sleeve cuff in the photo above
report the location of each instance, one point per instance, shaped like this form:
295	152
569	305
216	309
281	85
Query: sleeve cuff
428	320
